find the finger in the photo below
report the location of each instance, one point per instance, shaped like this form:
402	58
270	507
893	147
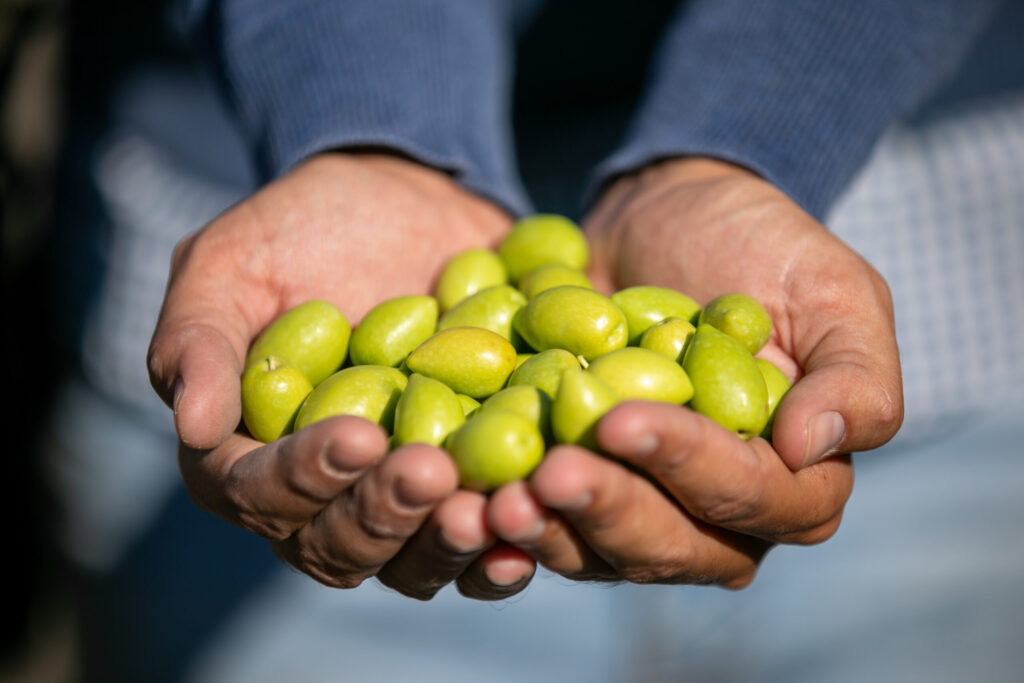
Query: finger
367	524
838	406
273	489
454	536
515	515
725	481
501	572
197	370
851	395
211	311
635	528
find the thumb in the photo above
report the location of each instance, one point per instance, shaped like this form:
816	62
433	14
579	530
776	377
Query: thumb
197	370
198	347
847	401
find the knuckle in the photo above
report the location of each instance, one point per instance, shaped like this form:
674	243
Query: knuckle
815	535
311	560
181	251
380	529
672	563
383	523
741	580
890	410
741	502
249	515
736	506
302	478
648	574
881	288
421	592
361	557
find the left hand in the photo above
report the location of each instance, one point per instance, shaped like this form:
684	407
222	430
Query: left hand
699	505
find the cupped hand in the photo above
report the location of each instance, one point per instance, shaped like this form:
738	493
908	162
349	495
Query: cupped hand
354	229
696	504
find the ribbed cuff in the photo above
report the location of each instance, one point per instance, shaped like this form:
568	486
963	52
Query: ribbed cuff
427	78
798	91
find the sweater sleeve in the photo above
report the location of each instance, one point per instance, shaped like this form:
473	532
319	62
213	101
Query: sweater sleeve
798	91
427	78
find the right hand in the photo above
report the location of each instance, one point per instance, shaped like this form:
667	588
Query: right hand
353	229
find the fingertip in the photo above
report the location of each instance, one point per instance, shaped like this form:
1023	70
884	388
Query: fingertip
197	372
507	566
836	408
424	474
207	401
514	514
565	479
349	442
790	429
630	430
461	522
499	573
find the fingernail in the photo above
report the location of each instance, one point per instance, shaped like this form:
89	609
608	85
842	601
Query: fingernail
342	461
409	496
506	582
179	390
504	574
579	502
824	432
458	545
532	533
640	446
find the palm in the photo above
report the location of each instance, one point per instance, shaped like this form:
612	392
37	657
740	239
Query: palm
354	231
707	229
697	504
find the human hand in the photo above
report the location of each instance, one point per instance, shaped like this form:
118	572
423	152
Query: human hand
696	504
353	229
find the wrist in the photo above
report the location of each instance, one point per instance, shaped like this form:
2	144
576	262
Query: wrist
433	183
672	171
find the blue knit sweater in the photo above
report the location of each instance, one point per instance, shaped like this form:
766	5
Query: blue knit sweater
797	90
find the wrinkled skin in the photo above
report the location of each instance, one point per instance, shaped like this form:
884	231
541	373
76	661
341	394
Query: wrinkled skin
354	229
697	504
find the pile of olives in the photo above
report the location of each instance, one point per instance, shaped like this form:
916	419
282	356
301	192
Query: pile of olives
515	353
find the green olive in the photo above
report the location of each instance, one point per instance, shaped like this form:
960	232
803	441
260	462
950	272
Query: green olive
522	358
367	391
466	274
470	360
543	238
469	405
645	306
392	329
272	393
741	317
582	400
312	336
669	338
525	401
492	309
427	412
777	384
544	370
552	275
639	374
728	386
576	319
494	448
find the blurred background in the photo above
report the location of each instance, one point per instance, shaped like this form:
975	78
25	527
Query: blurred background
38	636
